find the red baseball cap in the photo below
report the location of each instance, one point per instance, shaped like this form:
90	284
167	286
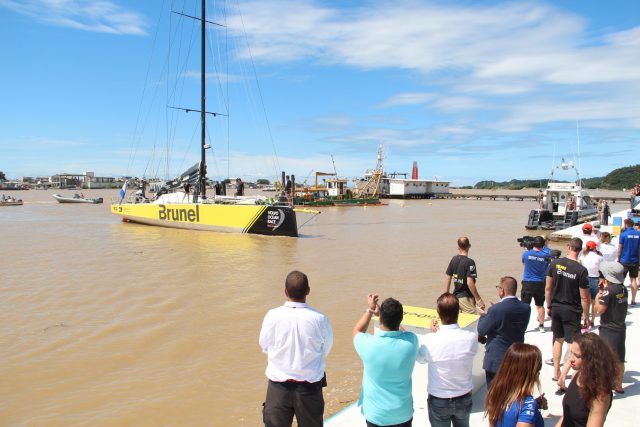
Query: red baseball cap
587	226
591	244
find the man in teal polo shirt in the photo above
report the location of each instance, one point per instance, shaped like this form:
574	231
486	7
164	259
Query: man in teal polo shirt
388	357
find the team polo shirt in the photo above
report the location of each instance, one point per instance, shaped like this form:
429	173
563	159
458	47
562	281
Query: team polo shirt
614	297
535	265
388	358
630	242
568	277
525	412
460	268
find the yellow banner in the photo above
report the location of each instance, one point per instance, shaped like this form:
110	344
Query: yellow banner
421	317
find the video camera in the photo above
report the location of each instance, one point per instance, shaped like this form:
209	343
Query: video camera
527	242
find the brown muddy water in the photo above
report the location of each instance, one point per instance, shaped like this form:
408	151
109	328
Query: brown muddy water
104	323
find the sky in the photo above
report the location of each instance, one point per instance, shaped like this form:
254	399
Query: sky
471	90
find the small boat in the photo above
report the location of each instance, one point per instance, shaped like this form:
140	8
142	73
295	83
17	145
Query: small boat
10	201
77	198
562	204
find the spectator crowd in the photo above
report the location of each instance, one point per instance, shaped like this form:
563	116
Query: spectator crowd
574	292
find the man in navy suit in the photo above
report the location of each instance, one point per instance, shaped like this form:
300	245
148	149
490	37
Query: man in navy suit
503	324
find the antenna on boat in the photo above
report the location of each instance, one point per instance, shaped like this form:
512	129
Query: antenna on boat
579	158
553	161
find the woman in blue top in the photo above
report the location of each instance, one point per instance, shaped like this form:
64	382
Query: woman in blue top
510	401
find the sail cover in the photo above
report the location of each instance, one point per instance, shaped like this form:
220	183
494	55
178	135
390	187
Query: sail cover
187	180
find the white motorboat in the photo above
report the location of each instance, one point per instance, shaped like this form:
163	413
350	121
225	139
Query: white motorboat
562	204
77	198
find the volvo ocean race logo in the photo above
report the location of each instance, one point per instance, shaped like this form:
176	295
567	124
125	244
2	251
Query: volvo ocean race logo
275	218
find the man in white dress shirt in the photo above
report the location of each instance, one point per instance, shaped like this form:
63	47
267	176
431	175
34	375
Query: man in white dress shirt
449	351
297	340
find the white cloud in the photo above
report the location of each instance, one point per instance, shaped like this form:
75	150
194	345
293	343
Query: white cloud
102	16
415	98
56	142
503	57
456	103
334	121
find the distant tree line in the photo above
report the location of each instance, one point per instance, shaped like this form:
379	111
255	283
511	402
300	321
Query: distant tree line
2	176
618	179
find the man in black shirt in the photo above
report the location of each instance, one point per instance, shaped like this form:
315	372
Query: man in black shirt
567	295
462	270
611	304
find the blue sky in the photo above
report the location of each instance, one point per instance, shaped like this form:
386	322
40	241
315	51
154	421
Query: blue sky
471	90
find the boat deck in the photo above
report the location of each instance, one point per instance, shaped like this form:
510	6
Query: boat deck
623	409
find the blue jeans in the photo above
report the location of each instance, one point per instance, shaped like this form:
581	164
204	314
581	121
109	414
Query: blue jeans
444	412
593	286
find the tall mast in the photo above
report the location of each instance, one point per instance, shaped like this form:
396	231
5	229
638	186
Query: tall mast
203	94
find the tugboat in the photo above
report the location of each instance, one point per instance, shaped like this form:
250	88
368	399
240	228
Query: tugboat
562	204
334	192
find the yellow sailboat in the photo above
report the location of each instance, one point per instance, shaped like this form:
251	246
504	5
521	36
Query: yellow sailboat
183	202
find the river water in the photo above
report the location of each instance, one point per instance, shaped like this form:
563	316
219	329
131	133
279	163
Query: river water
104	323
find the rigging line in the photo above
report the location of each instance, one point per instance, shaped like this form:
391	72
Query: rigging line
213	155
223	94
135	145
178	86
228	101
187	151
275	153
166	111
579	157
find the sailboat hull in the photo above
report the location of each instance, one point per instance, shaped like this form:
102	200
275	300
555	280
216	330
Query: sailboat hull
253	219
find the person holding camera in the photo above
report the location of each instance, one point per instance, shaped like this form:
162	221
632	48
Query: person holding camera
388	356
536	262
503	324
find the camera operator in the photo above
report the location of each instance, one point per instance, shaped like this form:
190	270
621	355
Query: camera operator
536	262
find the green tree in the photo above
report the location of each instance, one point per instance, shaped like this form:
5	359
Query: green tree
621	178
263	181
2	176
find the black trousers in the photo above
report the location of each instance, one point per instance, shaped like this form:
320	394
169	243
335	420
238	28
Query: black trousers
489	376
284	400
404	424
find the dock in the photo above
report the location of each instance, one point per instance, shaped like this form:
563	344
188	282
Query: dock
527	194
614	227
623	409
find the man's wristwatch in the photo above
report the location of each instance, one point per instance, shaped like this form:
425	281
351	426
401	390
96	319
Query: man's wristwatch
368	310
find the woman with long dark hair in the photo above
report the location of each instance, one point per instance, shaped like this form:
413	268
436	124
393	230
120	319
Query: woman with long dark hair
510	399
588	397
